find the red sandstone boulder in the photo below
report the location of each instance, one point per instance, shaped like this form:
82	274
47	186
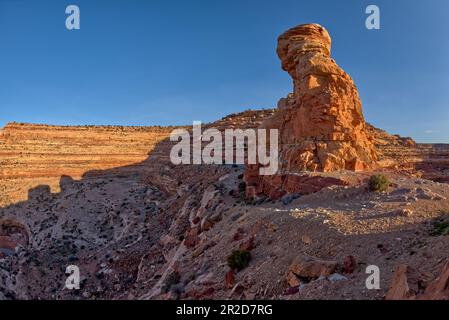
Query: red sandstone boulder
248	244
192	238
349	264
405	284
438	289
311	268
230	279
408	284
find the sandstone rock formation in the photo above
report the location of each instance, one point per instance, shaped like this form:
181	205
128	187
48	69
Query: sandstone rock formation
321	125
311	268
405	283
438	289
35	154
25	151
408	284
139	230
403	154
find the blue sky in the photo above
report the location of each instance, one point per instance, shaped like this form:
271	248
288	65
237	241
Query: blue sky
137	62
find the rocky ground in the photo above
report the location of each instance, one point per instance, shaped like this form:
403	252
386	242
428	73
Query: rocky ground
382	229
151	230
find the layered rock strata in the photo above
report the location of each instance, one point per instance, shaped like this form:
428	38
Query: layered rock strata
321	125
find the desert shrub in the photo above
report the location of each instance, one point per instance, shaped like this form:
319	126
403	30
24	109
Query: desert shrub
171	280
378	183
239	259
242	191
441	226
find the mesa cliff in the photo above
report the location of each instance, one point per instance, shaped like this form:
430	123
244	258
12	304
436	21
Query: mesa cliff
30	150
32	154
36	154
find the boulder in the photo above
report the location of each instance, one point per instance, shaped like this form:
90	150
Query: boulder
192	238
248	244
408	284
349	264
312	268
405	284
230	279
438	289
293	280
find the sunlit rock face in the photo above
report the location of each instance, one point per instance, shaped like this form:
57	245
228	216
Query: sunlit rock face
321	125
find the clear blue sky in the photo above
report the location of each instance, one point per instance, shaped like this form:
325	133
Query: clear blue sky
137	62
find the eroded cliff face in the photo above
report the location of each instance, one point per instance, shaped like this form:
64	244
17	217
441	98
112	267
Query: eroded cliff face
138	216
403	154
133	229
32	154
30	150
321	125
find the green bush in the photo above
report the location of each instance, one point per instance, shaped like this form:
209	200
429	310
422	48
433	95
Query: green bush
378	183
171	280
239	259
441	226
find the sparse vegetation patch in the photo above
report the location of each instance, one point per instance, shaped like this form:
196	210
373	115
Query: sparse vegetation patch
239	259
378	183
441	226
